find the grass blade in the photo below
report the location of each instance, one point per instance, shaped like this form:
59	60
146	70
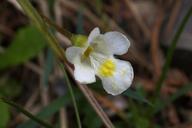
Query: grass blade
171	51
18	107
72	96
137	96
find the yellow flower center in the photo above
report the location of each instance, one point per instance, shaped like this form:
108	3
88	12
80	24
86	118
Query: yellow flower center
107	68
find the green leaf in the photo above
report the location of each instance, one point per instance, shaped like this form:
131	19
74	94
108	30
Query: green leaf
136	95
27	43
5	115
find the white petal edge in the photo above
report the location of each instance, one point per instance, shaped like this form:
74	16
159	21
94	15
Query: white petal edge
84	74
117	42
121	80
94	33
73	53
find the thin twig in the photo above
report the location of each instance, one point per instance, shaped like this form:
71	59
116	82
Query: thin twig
155	52
16	4
44	7
138	18
58	28
108	103
58	11
63	118
42	86
173	17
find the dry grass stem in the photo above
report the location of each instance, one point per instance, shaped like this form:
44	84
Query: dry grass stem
173	17
138	18
155	51
63	118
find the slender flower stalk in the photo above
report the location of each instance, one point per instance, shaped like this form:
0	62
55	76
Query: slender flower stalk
72	96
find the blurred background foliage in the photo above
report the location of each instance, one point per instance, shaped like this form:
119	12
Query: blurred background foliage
30	76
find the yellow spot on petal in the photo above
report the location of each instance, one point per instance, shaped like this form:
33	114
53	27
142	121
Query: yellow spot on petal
107	68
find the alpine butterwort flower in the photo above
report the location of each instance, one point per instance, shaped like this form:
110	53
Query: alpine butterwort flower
96	57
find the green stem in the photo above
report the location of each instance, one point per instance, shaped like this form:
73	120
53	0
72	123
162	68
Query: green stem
72	95
18	107
171	51
58	28
40	24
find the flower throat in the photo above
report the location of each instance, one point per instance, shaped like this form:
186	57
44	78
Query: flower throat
87	52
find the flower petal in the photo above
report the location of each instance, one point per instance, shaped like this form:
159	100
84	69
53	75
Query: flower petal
117	42
84	73
73	53
121	80
94	33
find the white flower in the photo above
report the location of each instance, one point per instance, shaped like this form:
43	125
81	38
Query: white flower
96	58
